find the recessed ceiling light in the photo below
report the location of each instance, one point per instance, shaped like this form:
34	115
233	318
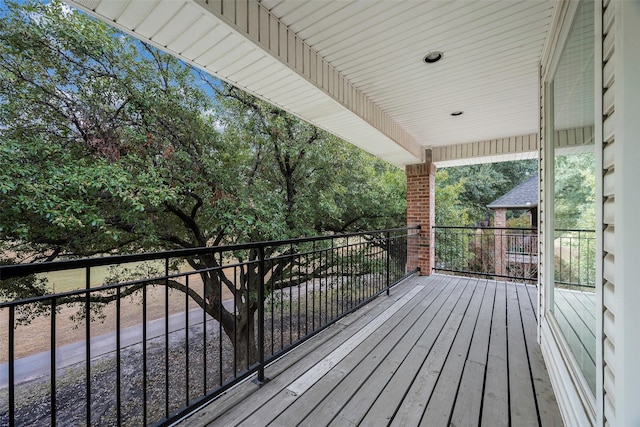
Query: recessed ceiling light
457	113
432	57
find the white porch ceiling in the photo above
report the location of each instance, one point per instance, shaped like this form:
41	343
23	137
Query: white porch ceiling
354	67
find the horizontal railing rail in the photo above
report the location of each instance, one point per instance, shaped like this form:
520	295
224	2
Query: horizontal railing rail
508	253
146	338
512	253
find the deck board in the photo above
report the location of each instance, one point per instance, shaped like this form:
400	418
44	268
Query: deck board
532	292
440	406
421	366
495	404
461	352
547	406
358	375
327	397
578	325
522	403
469	399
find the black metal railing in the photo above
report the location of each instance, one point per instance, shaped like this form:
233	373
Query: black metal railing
509	253
512	253
575	257
159	334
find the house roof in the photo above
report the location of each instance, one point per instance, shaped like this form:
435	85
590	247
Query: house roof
524	196
357	69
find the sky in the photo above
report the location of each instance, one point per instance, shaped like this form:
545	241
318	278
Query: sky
197	74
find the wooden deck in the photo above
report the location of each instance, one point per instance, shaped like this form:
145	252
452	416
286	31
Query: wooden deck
441	350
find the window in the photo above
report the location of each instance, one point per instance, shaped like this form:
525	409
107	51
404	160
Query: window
573	203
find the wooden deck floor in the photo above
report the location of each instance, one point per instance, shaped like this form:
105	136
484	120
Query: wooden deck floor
441	350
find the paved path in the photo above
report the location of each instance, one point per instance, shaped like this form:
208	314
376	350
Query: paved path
38	365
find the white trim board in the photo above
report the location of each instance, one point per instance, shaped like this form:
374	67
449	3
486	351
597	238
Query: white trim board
569	400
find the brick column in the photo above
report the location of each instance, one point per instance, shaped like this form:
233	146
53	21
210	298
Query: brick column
500	220
421	187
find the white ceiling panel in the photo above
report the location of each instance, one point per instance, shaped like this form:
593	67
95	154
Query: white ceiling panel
198	29
179	23
355	67
134	12
163	12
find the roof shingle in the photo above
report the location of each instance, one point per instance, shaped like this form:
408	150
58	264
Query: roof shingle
524	196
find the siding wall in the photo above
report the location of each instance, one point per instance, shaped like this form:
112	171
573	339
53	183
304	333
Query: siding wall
496	150
608	218
510	149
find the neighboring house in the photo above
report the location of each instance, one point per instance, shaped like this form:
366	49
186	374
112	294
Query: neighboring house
517	249
426	84
523	197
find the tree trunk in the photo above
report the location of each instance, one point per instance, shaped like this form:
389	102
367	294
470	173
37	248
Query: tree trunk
239	325
244	340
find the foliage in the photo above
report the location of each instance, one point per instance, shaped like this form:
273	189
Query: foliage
520	221
478	185
455	248
574	193
575	258
574	208
450	209
110	146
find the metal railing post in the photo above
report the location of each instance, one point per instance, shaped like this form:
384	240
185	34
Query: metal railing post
87	313
12	367
261	272
388	261
349	265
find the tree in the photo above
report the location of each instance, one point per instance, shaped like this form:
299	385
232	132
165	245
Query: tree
450	209
574	193
110	146
483	183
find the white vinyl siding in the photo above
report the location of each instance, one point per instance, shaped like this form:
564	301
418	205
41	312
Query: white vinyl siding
608	217
496	150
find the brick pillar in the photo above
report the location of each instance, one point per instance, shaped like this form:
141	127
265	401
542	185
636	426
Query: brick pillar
500	220
421	187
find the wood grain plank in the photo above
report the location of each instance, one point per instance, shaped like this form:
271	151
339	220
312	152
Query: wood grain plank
331	393
440	406
302	359
429	356
243	399
480	344
575	333
533	297
495	404
571	300
522	399
468	402
546	400
410	410
392	381
583	327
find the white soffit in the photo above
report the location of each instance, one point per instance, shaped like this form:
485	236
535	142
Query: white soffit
354	67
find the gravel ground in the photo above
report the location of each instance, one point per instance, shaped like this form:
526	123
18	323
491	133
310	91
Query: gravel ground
33	406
